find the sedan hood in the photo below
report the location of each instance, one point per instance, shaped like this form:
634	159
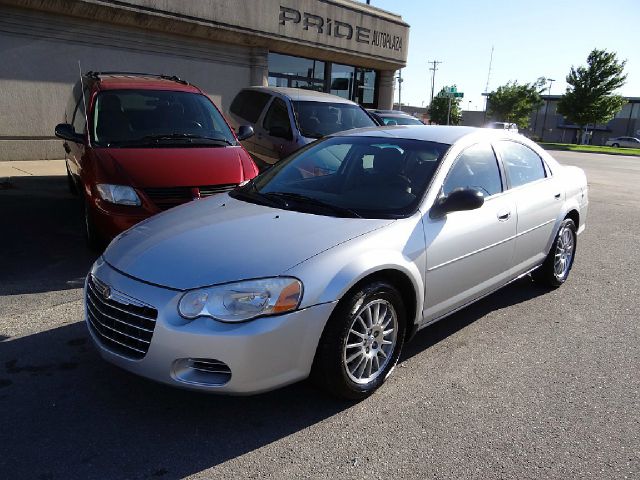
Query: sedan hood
175	167
222	239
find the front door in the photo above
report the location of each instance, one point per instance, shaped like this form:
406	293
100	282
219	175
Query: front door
275	134
469	253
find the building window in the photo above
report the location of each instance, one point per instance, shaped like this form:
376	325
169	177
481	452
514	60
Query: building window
296	72
346	81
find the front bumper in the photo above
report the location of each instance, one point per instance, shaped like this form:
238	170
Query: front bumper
261	354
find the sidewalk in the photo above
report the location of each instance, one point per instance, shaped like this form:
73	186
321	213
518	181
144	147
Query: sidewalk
31	168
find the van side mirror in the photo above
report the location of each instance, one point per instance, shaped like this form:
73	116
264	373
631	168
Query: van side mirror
244	132
458	200
66	132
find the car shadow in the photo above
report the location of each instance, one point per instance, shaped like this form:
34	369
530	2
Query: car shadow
42	247
69	414
521	290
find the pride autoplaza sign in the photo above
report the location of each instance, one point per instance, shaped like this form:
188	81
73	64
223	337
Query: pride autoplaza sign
339	29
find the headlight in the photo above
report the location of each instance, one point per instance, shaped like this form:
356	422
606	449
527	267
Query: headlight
119	194
236	302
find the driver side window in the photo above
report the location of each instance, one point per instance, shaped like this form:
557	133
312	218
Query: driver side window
476	167
276	121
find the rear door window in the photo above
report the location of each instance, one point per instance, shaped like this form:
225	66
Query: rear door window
522	164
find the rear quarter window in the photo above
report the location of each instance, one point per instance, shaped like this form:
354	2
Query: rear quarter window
249	104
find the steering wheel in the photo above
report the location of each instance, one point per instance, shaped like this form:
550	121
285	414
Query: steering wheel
194	124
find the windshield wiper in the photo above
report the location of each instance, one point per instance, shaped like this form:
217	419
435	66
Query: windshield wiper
305	199
250	192
186	136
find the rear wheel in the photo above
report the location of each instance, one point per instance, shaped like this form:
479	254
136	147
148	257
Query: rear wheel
361	342
556	267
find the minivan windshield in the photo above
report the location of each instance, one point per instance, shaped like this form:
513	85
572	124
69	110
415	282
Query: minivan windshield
368	177
157	118
317	119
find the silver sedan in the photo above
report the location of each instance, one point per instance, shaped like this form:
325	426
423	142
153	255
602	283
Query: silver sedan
326	264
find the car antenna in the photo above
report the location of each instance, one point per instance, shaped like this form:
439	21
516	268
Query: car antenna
84	103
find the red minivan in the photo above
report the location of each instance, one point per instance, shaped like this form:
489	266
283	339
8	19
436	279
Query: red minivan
145	144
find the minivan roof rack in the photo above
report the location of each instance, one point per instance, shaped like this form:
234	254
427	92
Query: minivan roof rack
173	78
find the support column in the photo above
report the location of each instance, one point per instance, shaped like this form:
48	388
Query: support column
259	75
385	89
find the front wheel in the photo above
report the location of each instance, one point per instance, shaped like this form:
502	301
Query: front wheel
556	267
615	145
361	342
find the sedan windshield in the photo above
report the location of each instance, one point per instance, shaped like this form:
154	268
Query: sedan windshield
317	119
157	118
368	177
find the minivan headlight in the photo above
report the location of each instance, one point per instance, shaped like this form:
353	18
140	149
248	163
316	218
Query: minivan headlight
240	301
118	194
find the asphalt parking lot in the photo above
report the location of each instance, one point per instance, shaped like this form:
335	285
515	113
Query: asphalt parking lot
527	383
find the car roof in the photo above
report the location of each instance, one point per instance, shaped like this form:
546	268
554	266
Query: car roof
117	81
301	94
430	133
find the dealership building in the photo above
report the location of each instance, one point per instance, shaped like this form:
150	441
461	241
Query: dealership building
343	47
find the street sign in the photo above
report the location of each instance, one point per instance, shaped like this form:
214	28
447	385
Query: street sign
458	95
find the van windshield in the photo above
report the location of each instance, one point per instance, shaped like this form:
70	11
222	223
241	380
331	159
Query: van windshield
317	119
157	118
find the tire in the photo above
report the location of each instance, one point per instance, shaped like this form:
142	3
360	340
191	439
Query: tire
93	238
350	361
615	145
71	184
556	267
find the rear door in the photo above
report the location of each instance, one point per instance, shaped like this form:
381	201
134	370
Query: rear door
469	253
538	197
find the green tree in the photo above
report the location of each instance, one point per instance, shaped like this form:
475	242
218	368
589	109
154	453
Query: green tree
514	103
440	107
589	98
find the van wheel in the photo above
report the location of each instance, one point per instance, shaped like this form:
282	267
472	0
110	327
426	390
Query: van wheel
361	343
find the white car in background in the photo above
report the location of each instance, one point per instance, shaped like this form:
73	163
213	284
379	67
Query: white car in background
629	142
511	127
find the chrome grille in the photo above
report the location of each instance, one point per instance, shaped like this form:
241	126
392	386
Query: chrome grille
168	197
122	324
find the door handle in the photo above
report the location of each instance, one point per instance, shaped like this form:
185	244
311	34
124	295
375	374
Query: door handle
503	216
557	196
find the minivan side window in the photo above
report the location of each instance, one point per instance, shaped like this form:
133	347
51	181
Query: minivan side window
476	167
276	121
522	164
249	104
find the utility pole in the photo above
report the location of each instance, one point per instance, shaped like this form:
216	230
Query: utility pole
400	89
486	87
433	68
544	121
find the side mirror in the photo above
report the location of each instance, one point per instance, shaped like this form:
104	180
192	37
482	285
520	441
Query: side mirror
458	200
280	132
244	132
66	132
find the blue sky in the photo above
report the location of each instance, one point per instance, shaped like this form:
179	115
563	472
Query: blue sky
531	39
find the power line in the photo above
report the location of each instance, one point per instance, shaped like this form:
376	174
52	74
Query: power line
433	68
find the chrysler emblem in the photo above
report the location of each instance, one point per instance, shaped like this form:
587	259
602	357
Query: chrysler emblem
106	293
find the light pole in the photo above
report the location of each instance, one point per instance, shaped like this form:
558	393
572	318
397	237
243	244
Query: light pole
546	110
